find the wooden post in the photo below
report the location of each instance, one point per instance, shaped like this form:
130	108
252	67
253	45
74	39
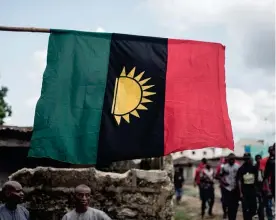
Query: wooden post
25	29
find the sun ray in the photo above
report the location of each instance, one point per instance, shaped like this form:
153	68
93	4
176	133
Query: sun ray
139	76
126	117
123	73
144	81
135	113
145	94
147	87
118	119
131	73
142	107
144	100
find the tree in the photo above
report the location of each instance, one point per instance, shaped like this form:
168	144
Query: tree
5	109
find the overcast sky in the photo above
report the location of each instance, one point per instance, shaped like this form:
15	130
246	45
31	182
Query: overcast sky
246	27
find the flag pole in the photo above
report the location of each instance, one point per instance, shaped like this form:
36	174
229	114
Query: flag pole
25	29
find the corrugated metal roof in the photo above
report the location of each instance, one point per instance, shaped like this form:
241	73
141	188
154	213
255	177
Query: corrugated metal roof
183	160
16	128
15	133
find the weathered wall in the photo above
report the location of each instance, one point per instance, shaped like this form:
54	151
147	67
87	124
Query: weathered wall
136	194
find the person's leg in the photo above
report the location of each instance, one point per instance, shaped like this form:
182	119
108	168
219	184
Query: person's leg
273	190
200	192
180	193
227	200
233	204
268	207
178	197
260	198
211	200
249	205
245	208
223	202
229	203
252	204
203	202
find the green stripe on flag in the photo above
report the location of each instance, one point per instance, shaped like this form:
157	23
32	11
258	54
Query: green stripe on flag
68	113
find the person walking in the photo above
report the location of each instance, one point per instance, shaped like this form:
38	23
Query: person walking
221	182
13	196
259	187
269	172
207	189
197	176
178	184
247	179
269	182
229	183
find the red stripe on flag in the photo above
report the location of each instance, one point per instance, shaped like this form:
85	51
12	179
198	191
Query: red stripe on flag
196	114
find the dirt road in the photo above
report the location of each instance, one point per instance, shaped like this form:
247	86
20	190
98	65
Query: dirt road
190	206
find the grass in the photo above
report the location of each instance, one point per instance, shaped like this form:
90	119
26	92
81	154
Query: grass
180	215
190	192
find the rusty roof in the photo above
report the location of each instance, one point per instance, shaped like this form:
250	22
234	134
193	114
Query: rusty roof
183	160
15	132
16	128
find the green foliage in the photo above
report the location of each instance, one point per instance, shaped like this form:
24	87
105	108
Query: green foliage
5	109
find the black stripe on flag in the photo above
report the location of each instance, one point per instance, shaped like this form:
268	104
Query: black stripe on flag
132	124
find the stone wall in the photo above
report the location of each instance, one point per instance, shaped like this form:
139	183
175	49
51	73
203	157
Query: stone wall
136	194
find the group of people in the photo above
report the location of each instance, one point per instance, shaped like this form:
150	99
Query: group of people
247	182
13	196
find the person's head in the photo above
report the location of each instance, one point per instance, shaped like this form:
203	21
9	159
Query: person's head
177	170
271	150
13	193
82	196
231	159
258	158
204	161
247	158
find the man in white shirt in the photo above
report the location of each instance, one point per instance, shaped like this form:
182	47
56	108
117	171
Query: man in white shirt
82	210
230	187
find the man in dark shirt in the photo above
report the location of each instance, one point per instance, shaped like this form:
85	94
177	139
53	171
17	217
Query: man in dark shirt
259	187
269	173
247	180
178	184
261	194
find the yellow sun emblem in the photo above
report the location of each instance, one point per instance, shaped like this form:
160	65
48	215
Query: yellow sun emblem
129	94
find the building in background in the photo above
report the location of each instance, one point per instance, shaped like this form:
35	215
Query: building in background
252	146
257	150
190	159
14	145
198	154
244	145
